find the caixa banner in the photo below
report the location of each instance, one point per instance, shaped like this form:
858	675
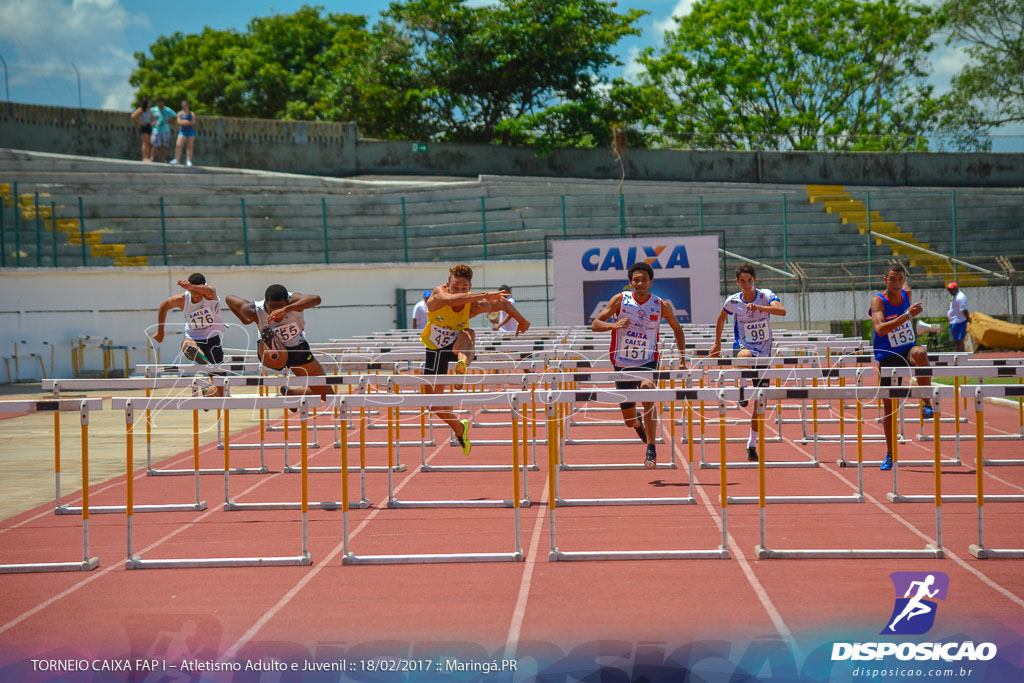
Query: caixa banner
588	273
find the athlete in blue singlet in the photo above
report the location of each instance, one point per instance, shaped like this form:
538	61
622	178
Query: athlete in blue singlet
894	342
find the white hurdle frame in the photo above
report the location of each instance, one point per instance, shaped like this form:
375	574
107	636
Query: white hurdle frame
555	554
514	401
980	393
82	406
859	393
226	403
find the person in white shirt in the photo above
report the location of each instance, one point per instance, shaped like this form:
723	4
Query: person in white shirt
506	323
203	323
958	315
419	312
752	309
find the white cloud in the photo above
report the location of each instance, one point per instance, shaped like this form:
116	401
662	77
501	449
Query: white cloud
669	23
47	36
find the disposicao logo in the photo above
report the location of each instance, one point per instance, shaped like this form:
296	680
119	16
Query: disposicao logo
613	260
913	614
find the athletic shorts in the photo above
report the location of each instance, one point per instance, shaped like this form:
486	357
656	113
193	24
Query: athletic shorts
893	360
958	330
299	354
437	360
146	129
160	138
211	348
631	384
184	132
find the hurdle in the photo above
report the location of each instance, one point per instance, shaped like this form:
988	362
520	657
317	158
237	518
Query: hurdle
82	406
935	551
555	554
137	562
348	557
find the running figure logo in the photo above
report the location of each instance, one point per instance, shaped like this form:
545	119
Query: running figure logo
914	613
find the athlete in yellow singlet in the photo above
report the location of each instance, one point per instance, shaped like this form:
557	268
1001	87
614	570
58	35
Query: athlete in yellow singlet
448	336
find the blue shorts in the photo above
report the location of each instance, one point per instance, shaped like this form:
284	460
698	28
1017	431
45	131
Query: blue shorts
959	330
160	138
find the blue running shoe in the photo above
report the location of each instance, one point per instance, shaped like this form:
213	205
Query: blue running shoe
927	412
651	461
887	463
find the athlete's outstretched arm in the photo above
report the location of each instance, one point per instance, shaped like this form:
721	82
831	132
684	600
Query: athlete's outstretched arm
677	331
176	301
716	348
601	323
243	309
205	291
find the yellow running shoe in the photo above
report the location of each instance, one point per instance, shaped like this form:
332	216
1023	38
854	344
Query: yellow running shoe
464	439
460	369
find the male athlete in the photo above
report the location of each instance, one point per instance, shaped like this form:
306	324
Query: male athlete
958	316
895	344
203	323
752	329
282	344
635	345
447	335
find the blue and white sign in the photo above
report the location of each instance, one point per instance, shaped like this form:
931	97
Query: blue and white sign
588	273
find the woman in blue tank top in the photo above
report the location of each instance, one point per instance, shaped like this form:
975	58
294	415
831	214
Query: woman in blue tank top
895	344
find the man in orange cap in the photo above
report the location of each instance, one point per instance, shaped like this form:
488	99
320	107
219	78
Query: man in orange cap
958	315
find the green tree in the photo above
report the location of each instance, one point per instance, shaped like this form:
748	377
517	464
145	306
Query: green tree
305	65
802	74
993	31
510	61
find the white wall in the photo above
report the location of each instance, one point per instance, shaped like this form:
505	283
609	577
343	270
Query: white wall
55	306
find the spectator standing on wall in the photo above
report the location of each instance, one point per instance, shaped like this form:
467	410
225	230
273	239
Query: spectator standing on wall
162	117
186	134
419	311
143	118
958	315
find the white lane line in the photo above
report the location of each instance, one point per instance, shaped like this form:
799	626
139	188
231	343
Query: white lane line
233	651
519	614
748	571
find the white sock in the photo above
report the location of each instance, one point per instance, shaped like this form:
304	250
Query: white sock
752	439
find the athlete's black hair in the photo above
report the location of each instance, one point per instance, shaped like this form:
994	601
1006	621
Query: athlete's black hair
746	268
276	293
197	279
640	265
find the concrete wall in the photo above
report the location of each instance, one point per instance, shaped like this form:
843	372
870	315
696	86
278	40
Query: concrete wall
334	149
55	306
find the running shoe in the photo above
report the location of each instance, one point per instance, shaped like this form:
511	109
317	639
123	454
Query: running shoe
173	162
927	412
189	164
284	392
752	454
743	403
464	439
460	369
887	463
651	461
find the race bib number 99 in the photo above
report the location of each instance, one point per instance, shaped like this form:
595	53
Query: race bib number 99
756	332
902	335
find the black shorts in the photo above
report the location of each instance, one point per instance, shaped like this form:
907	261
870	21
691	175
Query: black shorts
146	129
437	360
893	360
211	348
631	384
299	354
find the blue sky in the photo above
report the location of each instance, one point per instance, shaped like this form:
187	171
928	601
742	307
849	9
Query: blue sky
40	40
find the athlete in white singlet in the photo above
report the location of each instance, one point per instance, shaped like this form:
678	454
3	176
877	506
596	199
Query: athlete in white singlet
203	323
638	317
752	309
281	324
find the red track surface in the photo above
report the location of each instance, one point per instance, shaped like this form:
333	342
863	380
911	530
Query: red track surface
633	611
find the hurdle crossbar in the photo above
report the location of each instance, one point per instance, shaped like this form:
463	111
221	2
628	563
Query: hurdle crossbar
136	562
83	407
930	551
979	550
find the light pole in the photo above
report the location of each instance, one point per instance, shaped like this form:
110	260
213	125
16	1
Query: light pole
79	77
7	87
